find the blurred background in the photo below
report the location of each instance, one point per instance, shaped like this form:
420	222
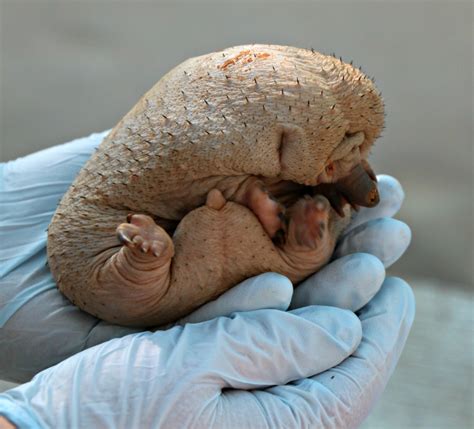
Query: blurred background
69	68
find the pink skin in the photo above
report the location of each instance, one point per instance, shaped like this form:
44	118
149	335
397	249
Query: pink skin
304	226
304	223
301	224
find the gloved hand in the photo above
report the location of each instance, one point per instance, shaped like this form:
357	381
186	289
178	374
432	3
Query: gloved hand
216	373
176	377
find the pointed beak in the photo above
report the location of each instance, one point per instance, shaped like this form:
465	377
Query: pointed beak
359	187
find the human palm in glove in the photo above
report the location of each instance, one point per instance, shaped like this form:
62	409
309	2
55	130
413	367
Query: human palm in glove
317	365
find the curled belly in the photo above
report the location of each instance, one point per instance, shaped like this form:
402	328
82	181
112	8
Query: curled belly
132	271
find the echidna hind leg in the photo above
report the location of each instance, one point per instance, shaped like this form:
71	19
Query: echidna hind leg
137	276
141	234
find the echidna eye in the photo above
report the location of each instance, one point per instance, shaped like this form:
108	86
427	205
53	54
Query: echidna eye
330	168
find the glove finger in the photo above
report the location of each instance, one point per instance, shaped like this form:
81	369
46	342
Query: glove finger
391	198
342	396
349	282
386	323
268	290
385	238
267	347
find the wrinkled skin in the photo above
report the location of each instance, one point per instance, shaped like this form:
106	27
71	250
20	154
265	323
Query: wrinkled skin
235	163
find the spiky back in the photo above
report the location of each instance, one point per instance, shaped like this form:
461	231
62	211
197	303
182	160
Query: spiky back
264	110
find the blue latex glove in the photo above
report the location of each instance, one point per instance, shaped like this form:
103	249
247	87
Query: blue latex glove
217	373
280	346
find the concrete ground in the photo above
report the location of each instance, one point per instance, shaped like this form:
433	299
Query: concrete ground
432	385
